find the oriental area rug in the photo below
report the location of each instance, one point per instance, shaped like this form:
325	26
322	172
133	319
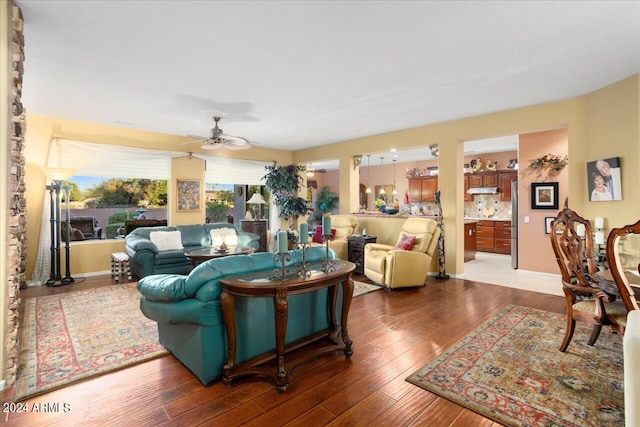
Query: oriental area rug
360	288
71	336
509	369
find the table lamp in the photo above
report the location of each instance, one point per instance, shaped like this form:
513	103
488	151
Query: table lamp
257	200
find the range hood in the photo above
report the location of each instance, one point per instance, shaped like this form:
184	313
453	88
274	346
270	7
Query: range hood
483	190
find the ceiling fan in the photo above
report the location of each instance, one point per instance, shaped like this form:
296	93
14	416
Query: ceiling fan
217	138
312	171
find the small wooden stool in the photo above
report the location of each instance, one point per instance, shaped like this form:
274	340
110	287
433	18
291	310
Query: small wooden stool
120	265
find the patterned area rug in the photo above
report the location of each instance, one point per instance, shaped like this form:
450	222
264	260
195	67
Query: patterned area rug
510	370
360	288
72	336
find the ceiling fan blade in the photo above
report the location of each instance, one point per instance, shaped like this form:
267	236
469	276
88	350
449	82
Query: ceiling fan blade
236	140
198	139
232	146
212	145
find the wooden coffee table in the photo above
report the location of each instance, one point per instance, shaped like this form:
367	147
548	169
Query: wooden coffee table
200	255
261	285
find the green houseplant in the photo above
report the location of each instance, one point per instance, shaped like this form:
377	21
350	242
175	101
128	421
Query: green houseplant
284	182
326	201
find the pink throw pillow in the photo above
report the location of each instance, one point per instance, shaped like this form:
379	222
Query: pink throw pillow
317	236
406	242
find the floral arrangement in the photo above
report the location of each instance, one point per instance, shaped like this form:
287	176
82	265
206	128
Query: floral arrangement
378	203
551	159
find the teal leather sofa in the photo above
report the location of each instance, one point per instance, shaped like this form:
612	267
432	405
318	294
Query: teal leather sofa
145	259
190	324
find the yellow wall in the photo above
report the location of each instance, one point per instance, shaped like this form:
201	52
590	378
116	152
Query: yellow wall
602	124
95	255
190	169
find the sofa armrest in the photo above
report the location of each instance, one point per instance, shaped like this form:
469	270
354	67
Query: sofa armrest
163	287
377	247
249	239
139	243
403	257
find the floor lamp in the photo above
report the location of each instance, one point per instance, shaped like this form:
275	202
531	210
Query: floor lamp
55	188
442	270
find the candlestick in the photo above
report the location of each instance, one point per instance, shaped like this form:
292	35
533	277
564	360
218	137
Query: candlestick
328	265
599	222
282	242
303	230
303	269
599	238
326	225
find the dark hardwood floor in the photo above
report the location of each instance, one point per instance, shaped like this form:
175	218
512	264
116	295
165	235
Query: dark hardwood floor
394	333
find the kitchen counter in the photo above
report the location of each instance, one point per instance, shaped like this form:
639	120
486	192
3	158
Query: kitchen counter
383	215
486	219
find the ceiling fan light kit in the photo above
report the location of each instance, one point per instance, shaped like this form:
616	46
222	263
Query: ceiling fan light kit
217	138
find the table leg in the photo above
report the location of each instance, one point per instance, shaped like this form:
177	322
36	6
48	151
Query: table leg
281	307
228	316
347	295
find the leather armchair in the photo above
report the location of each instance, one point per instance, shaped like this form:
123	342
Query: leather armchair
396	268
344	225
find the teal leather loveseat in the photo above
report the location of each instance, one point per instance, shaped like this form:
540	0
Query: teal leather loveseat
190	324
147	259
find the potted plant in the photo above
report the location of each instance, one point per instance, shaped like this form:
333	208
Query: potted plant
284	182
327	201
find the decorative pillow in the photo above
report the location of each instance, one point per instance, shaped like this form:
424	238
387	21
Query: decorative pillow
166	240
406	242
223	234
317	237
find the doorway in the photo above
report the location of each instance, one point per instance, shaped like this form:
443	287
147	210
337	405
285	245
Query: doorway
490	165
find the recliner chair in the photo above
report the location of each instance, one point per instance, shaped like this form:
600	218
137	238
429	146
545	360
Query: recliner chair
395	268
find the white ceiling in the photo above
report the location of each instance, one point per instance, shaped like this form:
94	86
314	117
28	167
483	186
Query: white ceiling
293	75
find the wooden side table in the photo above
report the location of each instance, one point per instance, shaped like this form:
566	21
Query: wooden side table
259	227
355	248
260	285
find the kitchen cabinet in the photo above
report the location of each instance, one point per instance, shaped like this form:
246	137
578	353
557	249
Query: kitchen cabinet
494	236
423	189
467	197
470	245
483	179
504	184
503	237
485	236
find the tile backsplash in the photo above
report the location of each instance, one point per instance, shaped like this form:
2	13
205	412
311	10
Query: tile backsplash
475	209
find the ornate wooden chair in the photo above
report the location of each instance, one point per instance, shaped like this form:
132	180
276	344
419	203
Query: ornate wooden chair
616	266
586	297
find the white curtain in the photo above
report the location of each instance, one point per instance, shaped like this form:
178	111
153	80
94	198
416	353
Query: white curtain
42	268
111	161
117	161
223	170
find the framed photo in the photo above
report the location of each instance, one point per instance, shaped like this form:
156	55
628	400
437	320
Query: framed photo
547	224
603	178
544	195
189	195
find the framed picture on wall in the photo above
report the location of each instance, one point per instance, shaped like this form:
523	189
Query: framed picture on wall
544	195
547	224
603	178
189	195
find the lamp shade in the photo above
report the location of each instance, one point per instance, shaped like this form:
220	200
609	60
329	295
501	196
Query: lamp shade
257	198
59	174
